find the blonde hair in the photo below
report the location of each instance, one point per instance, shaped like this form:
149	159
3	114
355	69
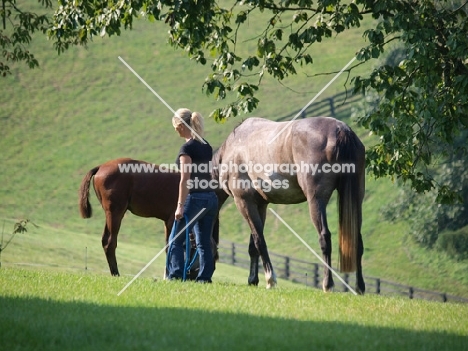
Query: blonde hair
192	119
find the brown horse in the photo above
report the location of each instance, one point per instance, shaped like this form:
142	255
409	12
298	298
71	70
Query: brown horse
264	162
145	189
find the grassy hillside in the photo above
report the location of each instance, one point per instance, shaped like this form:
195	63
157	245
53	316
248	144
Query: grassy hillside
85	107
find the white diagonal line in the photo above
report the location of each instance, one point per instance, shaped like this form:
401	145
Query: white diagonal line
161	99
311	101
160	252
146	84
312	250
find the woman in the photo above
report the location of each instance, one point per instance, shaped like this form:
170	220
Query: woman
196	202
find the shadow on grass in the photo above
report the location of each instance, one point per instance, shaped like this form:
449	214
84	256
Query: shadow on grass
41	324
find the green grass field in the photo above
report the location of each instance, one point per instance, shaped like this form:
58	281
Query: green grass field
77	311
85	107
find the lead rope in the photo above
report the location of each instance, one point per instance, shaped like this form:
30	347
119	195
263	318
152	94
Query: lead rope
187	263
188	248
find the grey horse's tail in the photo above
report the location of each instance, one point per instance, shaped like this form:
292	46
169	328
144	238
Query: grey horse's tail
350	151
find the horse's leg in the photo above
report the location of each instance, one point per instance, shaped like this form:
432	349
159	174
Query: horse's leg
255	215
360	285
167	232
318	215
109	238
254	256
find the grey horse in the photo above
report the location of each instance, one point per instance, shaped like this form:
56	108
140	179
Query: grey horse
264	162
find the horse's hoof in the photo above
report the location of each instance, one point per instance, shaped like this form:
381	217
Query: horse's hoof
270	278
271	283
360	291
253	282
328	289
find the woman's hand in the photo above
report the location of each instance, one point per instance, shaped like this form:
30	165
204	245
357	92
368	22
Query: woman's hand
179	212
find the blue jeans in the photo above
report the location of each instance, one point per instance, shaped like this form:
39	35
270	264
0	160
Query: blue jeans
202	226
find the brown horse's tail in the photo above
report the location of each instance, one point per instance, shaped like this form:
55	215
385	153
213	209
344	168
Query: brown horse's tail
85	207
350	154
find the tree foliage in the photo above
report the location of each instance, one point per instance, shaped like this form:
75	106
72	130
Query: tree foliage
430	223
422	101
427	219
16	30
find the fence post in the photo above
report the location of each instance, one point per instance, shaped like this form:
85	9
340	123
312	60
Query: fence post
86	259
233	254
286	267
444	297
411	292
332	107
316	275
377	286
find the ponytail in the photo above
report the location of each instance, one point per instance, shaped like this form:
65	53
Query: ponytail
196	123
